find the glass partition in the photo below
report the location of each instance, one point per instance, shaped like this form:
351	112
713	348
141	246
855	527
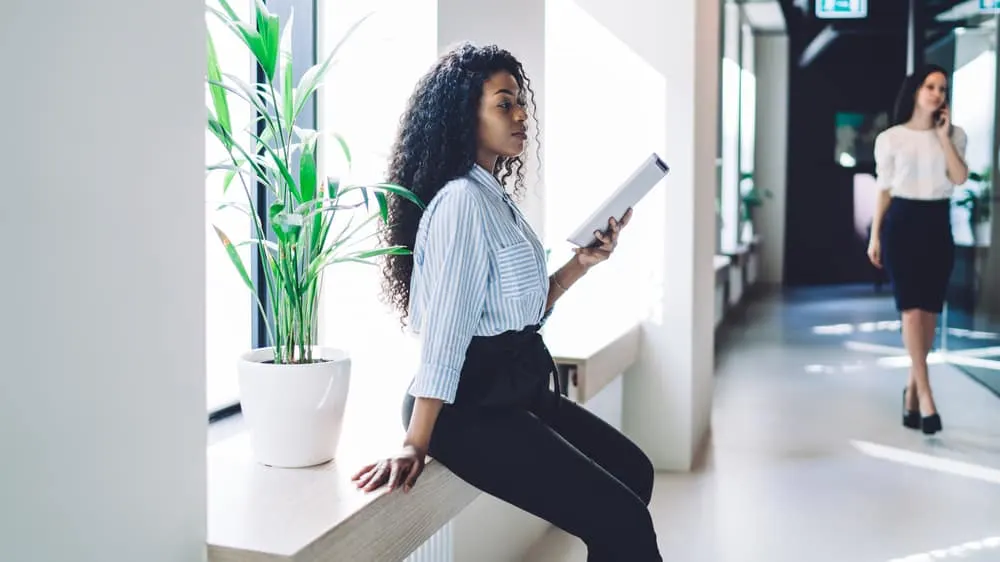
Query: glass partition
736	194
971	322
729	191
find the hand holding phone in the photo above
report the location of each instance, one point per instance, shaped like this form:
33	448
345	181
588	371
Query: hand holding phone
942	121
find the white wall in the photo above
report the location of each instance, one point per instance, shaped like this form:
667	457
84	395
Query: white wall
668	393
102	392
772	153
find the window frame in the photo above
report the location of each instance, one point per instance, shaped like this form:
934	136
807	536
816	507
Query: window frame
304	54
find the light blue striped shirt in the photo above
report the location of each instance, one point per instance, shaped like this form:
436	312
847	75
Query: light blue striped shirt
478	270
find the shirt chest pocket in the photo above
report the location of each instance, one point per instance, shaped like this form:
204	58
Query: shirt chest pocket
517	270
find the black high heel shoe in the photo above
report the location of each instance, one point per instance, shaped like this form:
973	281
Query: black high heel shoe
911	418
931	424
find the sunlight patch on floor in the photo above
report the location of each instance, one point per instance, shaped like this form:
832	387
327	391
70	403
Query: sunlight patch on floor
930	462
963	550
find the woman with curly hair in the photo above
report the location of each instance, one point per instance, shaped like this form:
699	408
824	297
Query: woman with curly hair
918	161
476	291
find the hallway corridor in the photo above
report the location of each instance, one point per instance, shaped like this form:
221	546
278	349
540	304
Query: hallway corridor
808	460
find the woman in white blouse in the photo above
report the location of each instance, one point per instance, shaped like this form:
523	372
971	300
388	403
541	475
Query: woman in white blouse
918	162
476	290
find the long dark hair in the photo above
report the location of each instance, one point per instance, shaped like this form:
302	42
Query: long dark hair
907	98
436	143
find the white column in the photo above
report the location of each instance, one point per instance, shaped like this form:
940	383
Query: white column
729	237
672	422
102	391
652	85
771	161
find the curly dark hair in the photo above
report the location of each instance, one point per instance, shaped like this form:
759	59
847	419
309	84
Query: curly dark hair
436	143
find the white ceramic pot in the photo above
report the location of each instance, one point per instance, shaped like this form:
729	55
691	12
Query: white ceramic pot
294	413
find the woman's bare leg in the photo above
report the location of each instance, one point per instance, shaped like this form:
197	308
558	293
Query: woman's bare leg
915	339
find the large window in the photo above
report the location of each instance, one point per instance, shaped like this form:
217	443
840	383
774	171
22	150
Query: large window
362	100
749	191
576	44
737	111
229	309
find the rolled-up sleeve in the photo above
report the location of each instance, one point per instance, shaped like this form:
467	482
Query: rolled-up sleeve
884	163
455	269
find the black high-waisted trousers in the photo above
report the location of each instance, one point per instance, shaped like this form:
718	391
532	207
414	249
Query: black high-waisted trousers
512	437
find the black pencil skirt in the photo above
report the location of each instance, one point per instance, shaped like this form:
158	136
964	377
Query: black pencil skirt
918	252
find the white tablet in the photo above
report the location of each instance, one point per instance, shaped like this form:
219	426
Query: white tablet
627	195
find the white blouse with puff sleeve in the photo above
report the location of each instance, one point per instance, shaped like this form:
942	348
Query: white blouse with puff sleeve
911	163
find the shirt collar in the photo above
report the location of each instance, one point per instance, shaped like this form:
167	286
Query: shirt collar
487	180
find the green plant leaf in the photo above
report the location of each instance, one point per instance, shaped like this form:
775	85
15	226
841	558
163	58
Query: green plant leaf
320	261
240	168
364	195
219	101
287	82
234	256
388	187
246	33
272	215
216	128
343	146
270	39
303	132
314	76
245	93
320	206
388	251
292	222
233	205
229	10
319	235
307	169
349	260
383	206
400	191
286	175
224	167
360	256
254	241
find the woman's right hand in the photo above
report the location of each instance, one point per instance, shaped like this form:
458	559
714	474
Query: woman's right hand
403	469
875	252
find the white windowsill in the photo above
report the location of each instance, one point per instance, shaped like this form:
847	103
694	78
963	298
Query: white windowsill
258	514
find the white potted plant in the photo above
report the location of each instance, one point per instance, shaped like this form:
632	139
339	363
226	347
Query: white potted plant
293	392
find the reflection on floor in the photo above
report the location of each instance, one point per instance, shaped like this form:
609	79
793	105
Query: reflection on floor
970	342
975	343
809	461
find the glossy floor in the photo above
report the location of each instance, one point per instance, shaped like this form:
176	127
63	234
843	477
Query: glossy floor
808	461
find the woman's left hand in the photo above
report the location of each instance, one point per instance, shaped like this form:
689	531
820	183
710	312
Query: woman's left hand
589	257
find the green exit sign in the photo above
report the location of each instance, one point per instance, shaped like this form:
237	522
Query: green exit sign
845	9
